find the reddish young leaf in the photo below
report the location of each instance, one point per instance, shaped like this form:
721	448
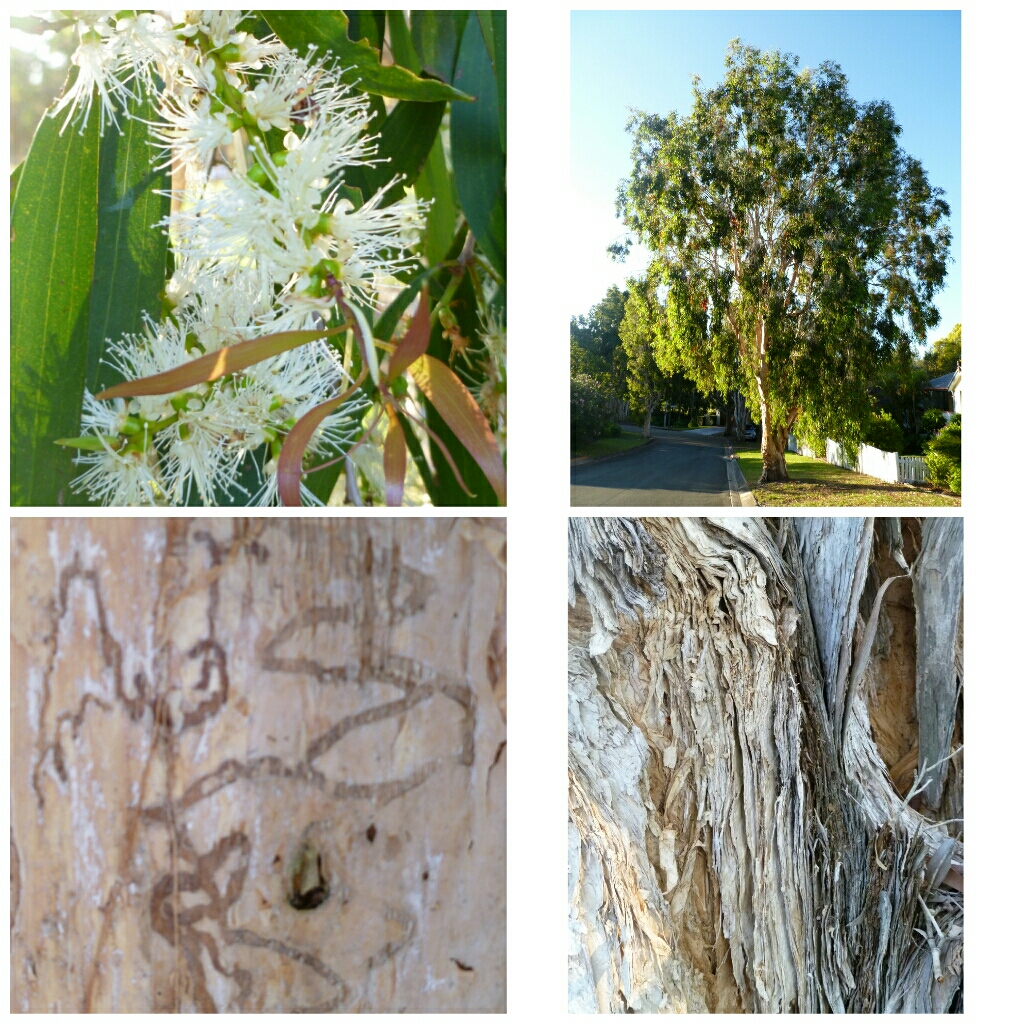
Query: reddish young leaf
394	460
217	364
415	340
289	462
457	407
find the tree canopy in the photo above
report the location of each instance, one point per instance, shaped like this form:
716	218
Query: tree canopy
944	355
641	325
801	246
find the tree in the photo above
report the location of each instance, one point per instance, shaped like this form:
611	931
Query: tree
766	765
258	765
598	331
595	346
641	323
944	355
800	244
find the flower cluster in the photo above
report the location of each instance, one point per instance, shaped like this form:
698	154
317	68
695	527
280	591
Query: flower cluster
264	240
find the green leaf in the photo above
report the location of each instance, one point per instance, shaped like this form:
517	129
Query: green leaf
385	326
53	238
436	36
131	252
435	183
352	194
477	158
493	24
87	444
402	50
406	138
328	31
368	25
15	178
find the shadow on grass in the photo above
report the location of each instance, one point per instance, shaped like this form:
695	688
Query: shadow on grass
813	482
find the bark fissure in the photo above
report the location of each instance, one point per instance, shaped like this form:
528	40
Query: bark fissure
727	797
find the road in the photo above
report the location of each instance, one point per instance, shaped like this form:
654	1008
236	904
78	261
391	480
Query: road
679	468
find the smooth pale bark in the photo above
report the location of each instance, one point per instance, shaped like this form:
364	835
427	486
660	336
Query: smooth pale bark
736	838
257	765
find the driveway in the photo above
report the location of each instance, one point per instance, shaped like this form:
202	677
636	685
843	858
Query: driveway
678	468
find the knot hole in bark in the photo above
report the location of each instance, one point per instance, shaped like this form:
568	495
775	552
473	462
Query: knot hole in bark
309	885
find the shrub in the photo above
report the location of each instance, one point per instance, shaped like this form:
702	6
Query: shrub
942	456
932	420
611	429
882	431
588	409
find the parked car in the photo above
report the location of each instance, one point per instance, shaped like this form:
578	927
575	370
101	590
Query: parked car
750	434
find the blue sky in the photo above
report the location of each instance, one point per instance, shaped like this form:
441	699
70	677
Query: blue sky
646	59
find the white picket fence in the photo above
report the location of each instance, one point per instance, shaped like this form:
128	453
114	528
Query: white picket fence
891	467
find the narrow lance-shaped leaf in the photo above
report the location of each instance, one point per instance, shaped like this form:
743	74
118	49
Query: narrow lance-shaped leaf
365	338
217	364
289	462
457	407
415	340
394	460
328	31
53	239
385	326
131	251
477	158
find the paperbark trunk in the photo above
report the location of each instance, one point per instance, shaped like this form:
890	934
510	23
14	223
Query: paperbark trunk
743	710
257	765
773	450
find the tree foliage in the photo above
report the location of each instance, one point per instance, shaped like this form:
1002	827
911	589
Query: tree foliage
801	246
944	355
642	323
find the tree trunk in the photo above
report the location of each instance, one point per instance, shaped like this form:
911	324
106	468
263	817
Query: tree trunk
744	706
649	410
773	450
257	765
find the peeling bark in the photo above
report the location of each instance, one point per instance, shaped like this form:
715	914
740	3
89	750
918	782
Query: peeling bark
257	765
736	840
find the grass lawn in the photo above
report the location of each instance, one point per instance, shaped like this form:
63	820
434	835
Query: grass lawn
608	446
815	482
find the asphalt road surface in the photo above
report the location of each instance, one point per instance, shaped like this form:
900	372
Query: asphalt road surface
679	468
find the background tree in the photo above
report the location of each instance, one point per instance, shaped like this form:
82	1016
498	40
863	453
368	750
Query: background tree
799	242
944	355
642	322
766	765
595	346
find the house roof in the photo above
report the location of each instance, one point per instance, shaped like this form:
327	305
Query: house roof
942	383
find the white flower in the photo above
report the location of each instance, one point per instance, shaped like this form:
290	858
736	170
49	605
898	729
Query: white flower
256	251
254	53
272	99
146	42
97	58
196	456
192	133
128	477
